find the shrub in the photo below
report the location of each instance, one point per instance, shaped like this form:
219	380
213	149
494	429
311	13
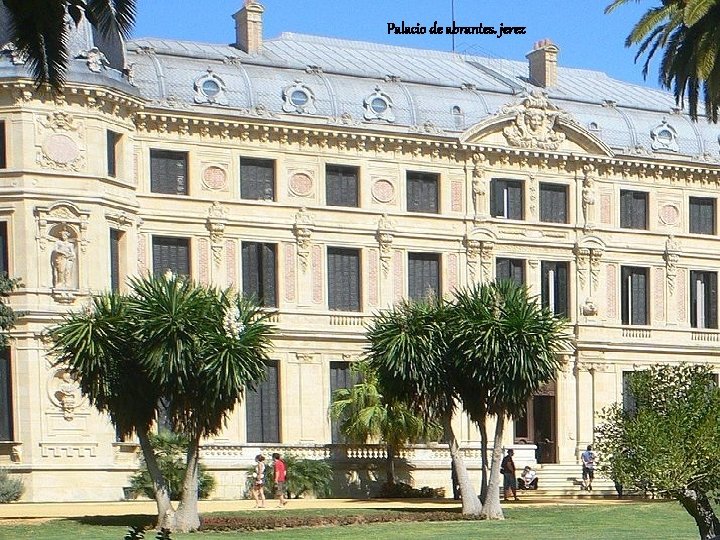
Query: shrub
303	476
170	449
401	490
10	488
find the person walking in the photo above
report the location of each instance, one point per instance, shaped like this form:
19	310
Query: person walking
588	467
507	468
258	489
280	474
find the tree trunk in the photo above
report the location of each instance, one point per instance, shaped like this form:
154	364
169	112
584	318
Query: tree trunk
698	506
491	507
484	458
187	518
470	503
160	488
390	472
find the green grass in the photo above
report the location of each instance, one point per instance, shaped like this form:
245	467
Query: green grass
641	521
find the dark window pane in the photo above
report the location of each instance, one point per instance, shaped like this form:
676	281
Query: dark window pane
4	248
513	269
634	291
341	376
258	272
341	186
168	172
115	236
703	299
3	147
112	141
554	287
423	275
6	417
506	199
702	215
553	203
257	179
629	402
262	410
343	279
633	209
170	253
422	192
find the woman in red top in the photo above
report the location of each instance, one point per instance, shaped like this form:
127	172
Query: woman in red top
280	473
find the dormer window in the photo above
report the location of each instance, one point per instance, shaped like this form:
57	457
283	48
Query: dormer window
298	98
378	106
210	88
664	137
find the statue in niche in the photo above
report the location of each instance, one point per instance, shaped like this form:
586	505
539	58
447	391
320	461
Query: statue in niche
63	261
67	395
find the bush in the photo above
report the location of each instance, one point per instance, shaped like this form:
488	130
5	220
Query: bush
303	476
170	449
10	488
283	521
401	490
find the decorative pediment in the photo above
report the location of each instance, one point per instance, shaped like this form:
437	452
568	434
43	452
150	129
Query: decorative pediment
535	123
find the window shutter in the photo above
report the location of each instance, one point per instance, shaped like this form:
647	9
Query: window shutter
639	297
3	147
497	190
545	268
343	279
422	192
172	254
640	210
262	412
6	418
168	172
553	203
517	271
423	275
112	139
4	249
625	295
702	215
115	259
257	179
251	270
341	186
561	289
269	295
502	269
515	200
341	376
711	304
629	402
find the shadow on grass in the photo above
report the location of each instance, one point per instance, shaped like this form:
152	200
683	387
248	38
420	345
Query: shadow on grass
117	521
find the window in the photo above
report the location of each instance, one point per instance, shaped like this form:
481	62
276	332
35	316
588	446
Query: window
507	199
633	209
3	147
4	259
634	295
262	411
422	192
553	203
703	299
341	186
6	416
341	376
168	172
170	253
258	272
629	402
113	142
702	215
513	269
257	179
554	287
115	247
343	279
423	275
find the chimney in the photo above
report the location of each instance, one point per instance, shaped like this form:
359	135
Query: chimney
248	27
543	63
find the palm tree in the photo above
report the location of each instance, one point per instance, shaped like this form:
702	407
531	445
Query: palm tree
688	34
505	347
39	28
407	347
366	415
192	346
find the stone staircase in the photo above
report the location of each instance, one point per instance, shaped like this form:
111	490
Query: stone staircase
565	480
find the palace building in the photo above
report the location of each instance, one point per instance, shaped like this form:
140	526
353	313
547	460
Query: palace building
332	178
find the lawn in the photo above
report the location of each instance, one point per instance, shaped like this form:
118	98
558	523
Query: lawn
641	521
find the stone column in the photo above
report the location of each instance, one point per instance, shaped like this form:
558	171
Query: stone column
567	414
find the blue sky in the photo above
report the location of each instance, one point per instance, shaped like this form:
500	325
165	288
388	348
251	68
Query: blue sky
587	38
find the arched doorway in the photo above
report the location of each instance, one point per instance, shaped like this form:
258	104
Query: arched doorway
539	424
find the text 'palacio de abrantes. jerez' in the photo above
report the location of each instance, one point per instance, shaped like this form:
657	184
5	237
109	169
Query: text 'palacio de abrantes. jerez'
331	179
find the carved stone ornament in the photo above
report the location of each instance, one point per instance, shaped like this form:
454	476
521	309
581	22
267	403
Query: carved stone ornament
303	229
96	60
383	191
534	123
17	56
214	178
216	223
589	308
298	98
209	88
378	106
664	137
120	220
479	254
64	393
301	184
385	237
60	142
589	197
479	184
671	256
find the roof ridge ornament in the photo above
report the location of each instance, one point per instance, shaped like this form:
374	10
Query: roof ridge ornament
534	125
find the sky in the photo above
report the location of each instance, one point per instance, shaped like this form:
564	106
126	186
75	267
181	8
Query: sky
587	38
